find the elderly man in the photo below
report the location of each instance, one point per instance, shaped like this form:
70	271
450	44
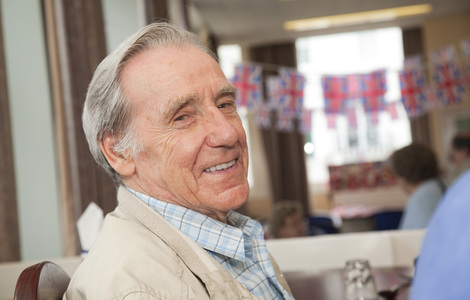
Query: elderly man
160	117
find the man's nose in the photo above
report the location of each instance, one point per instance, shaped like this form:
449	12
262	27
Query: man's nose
220	129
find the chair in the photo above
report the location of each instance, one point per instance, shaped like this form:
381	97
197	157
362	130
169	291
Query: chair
44	280
387	220
318	225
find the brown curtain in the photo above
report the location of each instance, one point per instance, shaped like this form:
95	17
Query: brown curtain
284	151
76	45
413	45
9	232
155	10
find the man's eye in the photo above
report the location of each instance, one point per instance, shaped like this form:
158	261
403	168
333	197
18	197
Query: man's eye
181	118
226	105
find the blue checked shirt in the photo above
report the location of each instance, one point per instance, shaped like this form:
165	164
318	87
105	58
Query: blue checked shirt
239	248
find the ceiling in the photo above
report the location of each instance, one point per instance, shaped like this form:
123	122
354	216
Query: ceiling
261	21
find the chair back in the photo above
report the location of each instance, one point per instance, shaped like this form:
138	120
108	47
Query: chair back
387	220
44	280
321	225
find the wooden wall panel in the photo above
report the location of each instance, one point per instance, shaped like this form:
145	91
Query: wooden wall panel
413	45
9	232
77	45
284	151
155	10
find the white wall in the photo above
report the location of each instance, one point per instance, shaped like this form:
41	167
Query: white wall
32	130
31	113
122	18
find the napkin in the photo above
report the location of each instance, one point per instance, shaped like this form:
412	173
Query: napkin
88	226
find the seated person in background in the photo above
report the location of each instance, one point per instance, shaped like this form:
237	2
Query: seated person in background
459	156
443	266
417	171
287	220
160	118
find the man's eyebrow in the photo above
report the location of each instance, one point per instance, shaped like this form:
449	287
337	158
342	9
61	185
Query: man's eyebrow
227	90
174	105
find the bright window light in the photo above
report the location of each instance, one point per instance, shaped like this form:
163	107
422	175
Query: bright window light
343	54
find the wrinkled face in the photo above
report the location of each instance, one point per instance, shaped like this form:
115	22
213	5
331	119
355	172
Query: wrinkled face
194	146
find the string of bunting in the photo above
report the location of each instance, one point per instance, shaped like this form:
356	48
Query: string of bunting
341	93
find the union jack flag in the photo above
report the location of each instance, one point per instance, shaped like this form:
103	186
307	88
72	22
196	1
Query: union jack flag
354	86
431	101
465	47
292	91
274	91
306	121
334	93
392	110
413	62
374	118
448	81
445	54
285	122
247	79
263	116
374	85
413	91
352	118
331	121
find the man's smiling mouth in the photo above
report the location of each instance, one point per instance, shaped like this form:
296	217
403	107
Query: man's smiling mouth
221	166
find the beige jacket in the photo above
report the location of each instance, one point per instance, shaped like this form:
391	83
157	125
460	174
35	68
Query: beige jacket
138	255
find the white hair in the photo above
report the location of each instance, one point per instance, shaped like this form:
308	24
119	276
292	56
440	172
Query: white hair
107	110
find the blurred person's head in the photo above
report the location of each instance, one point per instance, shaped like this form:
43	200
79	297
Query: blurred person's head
287	220
413	165
460	148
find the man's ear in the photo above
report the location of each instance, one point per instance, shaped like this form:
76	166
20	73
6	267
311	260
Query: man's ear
121	163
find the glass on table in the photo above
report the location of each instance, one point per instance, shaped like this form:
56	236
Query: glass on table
359	283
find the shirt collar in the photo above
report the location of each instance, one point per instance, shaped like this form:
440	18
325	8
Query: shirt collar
209	233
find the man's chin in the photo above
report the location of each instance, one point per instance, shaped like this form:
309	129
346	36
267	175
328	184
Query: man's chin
233	198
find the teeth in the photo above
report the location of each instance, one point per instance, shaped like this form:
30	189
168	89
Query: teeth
220	167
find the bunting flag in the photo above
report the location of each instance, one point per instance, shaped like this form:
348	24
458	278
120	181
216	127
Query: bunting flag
354	86
448	83
392	110
374	88
274	91
374	118
351	116
306	121
285	93
334	93
413	91
331	121
431	101
263	115
285	122
413	62
465	49
247	79
292	92
444	54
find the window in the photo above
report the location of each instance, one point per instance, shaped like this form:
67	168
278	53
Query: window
343	54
